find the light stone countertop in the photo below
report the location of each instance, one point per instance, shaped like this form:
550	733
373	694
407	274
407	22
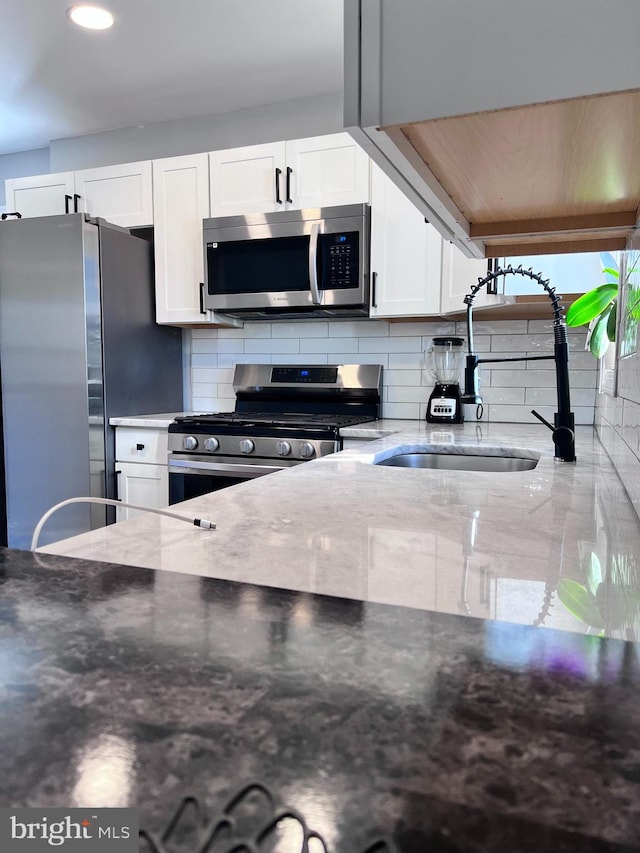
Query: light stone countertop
160	421
492	545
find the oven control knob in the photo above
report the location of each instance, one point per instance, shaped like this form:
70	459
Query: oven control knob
189	442
211	444
307	451
247	446
283	448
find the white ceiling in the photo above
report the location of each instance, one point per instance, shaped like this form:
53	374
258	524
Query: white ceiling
161	60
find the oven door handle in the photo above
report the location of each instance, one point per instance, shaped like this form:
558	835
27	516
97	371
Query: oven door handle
313	267
184	466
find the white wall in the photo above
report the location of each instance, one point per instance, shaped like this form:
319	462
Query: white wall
510	390
268	123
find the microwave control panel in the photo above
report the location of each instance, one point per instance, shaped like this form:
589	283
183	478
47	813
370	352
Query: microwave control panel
340	254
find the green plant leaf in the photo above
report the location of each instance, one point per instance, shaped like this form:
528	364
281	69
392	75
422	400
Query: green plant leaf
612	321
599	340
590	304
611	275
580	602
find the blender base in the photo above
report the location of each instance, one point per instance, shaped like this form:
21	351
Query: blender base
444	405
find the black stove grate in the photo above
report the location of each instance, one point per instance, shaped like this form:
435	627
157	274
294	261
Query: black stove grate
272	419
189	830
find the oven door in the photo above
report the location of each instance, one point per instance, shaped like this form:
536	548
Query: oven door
305	259
191	477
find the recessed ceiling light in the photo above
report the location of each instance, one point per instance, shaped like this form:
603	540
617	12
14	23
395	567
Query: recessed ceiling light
91	17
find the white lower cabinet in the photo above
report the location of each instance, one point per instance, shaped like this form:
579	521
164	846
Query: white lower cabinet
142	474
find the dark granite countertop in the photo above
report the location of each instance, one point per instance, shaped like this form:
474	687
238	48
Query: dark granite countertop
126	686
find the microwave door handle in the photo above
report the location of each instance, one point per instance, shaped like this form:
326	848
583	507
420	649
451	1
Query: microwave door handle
313	267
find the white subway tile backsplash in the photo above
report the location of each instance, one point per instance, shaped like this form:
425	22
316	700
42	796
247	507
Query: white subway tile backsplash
359	358
259	330
406	394
208	359
395	345
231	345
411	411
402	377
398	330
359	328
492	327
225	334
271	345
523	378
296	358
510	389
328	345
308	329
406	360
503	396
522	343
548	397
205	345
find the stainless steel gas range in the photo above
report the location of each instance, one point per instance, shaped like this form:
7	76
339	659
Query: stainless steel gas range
284	415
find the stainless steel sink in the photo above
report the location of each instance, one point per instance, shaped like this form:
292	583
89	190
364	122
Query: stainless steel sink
459	462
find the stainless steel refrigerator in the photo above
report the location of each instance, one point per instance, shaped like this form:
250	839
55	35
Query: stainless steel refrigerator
78	345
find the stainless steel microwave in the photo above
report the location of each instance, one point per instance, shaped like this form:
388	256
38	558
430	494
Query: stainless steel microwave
291	263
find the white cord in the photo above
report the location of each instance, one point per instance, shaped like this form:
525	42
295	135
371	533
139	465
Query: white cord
198	522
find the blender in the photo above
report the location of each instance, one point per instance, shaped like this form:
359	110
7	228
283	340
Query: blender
444	360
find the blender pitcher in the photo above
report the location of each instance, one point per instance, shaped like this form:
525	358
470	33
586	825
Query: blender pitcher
444	360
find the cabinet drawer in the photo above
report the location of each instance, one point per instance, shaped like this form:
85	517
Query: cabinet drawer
141	445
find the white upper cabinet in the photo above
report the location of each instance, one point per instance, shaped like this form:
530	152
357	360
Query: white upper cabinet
42	195
247	180
180	203
459	275
406	254
326	170
120	194
318	171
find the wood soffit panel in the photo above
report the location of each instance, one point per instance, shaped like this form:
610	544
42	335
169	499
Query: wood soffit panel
547	177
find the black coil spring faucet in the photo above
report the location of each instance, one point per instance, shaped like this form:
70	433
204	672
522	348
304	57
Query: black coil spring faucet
563	427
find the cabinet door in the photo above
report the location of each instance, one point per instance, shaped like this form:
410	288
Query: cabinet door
146	485
120	194
180	203
244	180
406	254
459	274
326	170
42	195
